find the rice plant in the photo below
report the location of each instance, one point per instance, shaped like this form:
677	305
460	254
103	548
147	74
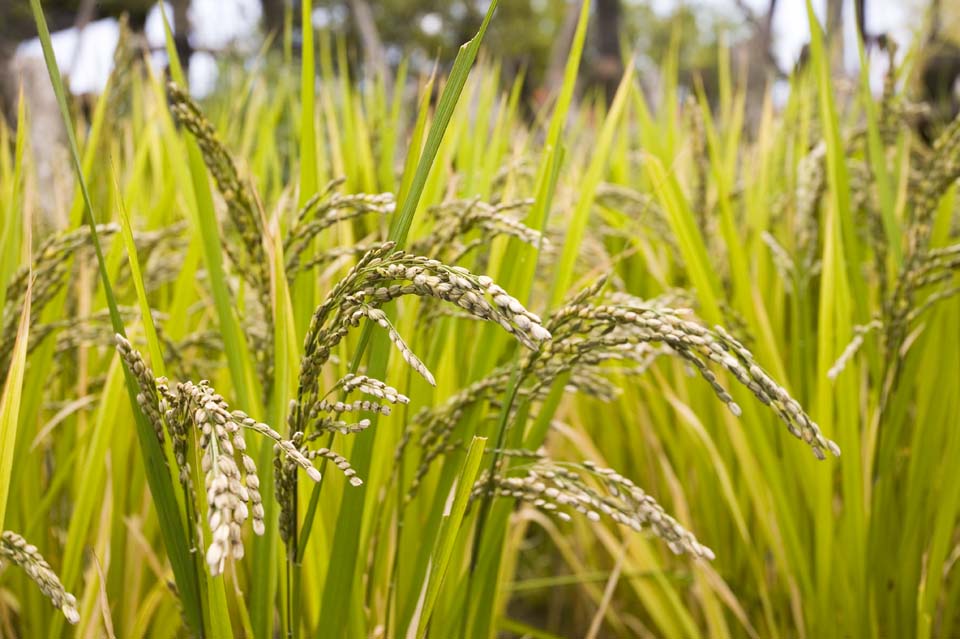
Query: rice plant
319	359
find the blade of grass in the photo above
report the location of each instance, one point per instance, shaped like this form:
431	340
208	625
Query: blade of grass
841	300
10	402
305	284
126	232
449	529
445	107
345	549
214	588
551	159
286	360
484	567
245	384
10	242
161	484
691	241
11	399
878	162
588	188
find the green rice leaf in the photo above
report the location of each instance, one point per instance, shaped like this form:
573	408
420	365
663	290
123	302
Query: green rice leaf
450	527
10	403
161	484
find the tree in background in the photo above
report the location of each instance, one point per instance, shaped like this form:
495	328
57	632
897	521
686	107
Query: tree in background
607	66
939	78
528	36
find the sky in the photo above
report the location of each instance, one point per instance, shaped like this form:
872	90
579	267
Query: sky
220	23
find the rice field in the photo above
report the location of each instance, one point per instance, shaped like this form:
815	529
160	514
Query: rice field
322	358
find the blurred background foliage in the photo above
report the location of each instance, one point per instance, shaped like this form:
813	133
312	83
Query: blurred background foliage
529	37
532	37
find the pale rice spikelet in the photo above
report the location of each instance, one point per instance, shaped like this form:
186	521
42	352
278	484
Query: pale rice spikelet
16	550
557	488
